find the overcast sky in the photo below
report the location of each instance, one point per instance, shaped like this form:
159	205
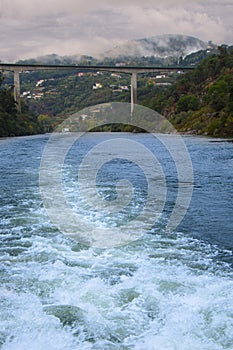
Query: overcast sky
30	28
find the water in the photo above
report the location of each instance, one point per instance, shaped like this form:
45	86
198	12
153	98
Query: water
164	291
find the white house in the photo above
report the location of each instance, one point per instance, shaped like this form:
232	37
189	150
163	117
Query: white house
97	86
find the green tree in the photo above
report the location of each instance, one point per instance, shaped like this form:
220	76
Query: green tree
217	95
187	103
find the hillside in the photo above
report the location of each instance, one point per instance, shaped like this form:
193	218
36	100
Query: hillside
201	101
58	94
13	123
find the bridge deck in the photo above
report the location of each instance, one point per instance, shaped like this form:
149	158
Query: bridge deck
123	69
133	70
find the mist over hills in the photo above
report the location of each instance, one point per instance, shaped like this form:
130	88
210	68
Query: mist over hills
55	59
198	102
161	48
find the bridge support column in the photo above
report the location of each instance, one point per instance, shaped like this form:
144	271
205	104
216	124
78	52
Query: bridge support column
133	91
17	89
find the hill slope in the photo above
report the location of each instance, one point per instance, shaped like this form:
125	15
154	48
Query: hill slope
13	123
201	102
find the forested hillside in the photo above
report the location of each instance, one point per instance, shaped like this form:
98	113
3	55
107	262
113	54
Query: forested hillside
201	101
198	102
13	123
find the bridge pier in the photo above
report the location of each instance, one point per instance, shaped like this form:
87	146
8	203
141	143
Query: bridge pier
18	68
133	91
17	89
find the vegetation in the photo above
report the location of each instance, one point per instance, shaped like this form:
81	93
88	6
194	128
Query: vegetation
201	101
13	123
198	102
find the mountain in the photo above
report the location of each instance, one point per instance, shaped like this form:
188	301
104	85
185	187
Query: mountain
160	49
162	46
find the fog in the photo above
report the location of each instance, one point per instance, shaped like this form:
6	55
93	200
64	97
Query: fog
65	27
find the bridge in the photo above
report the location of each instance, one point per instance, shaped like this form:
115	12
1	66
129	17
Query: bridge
133	70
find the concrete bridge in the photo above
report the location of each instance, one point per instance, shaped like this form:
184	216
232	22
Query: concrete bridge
133	70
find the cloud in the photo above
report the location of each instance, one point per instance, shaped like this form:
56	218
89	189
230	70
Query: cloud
178	20
29	29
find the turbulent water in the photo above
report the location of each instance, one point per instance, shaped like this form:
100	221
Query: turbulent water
163	291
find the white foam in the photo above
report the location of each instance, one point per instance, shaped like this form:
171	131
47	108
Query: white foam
142	296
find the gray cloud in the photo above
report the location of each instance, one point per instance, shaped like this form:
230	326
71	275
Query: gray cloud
29	29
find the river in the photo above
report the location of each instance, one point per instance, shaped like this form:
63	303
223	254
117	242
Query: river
163	290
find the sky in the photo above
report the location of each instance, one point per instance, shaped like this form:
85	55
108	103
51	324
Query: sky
32	28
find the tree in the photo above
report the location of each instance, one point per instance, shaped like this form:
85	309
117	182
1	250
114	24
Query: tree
187	103
7	102
13	123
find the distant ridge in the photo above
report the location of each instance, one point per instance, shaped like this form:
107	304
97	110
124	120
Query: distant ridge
162	46
164	49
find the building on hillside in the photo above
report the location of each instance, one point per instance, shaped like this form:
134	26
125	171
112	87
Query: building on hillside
97	86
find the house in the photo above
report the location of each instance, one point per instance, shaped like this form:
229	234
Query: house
160	76
115	75
40	82
123	87
97	86
25	93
